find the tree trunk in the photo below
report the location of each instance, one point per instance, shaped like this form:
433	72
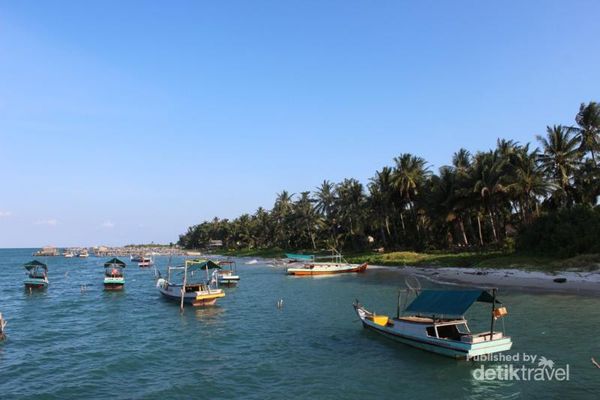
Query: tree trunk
479	229
493	226
462	231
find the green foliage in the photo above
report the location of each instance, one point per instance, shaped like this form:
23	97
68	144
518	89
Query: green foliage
564	233
479	203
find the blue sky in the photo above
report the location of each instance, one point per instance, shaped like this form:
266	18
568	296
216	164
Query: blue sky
127	121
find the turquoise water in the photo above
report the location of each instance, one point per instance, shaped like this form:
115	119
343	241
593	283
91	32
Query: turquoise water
65	344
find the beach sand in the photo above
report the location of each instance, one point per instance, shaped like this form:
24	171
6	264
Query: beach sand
585	283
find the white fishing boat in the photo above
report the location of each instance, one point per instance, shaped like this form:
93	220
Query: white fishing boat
114	278
146	262
434	321
37	275
68	254
192	289
337	266
228	275
83	254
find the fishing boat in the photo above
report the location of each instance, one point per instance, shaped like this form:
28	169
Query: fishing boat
68	254
145	262
228	275
83	254
196	292
434	321
113	274
37	275
337	266
135	258
300	257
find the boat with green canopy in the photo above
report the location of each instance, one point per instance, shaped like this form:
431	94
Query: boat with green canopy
435	321
37	275
114	279
191	289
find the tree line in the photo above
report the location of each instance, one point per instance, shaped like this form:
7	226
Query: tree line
481	201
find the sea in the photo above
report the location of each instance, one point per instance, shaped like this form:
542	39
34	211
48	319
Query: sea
76	341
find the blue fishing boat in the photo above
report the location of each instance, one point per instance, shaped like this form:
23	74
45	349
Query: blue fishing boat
37	275
434	321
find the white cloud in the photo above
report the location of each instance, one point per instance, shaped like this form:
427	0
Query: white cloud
108	224
50	222
4	214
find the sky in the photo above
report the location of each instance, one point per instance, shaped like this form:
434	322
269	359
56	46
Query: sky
128	121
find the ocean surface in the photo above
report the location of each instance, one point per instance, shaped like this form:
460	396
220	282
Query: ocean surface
63	343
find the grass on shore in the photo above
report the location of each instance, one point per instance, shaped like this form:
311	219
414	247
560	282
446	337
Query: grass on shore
489	259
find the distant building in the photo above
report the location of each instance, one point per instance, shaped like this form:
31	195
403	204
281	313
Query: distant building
215	243
47	251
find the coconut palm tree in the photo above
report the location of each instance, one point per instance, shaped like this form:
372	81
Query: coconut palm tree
560	156
588	128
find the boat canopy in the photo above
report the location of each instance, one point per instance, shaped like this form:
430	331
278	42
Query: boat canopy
303	257
194	265
35	264
113	262
447	302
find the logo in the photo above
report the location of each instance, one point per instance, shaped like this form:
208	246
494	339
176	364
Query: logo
519	367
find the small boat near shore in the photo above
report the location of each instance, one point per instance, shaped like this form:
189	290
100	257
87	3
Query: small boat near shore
228	275
83	254
37	275
135	258
337	266
68	254
114	278
196	292
434	321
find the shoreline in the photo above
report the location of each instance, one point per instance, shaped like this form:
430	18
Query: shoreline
584	283
577	283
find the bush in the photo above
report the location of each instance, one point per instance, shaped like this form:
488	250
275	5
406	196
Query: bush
565	233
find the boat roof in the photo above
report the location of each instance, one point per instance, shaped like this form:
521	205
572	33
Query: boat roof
35	264
294	256
113	262
448	302
197	264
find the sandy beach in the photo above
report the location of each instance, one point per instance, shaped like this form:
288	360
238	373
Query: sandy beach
585	283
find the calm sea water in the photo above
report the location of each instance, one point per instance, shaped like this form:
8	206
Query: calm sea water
65	344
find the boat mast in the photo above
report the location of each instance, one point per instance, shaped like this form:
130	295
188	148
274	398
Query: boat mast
493	318
183	286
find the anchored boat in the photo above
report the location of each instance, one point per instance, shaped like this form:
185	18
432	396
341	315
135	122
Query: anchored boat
113	274
37	275
434	321
145	262
197	292
337	266
228	276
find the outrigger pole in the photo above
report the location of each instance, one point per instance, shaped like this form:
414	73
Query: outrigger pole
183	287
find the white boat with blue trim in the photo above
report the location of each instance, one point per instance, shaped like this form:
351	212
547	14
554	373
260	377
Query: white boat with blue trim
196	292
435	322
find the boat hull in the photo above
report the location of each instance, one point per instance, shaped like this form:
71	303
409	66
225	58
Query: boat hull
196	299
327	269
114	283
36	283
448	348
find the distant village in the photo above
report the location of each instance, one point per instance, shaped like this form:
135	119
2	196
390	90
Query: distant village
121	251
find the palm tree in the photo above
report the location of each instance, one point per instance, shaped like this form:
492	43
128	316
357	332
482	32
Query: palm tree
526	182
588	129
560	155
381	190
351	204
408	177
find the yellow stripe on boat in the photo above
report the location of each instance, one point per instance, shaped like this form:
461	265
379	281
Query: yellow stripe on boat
381	319
209	296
